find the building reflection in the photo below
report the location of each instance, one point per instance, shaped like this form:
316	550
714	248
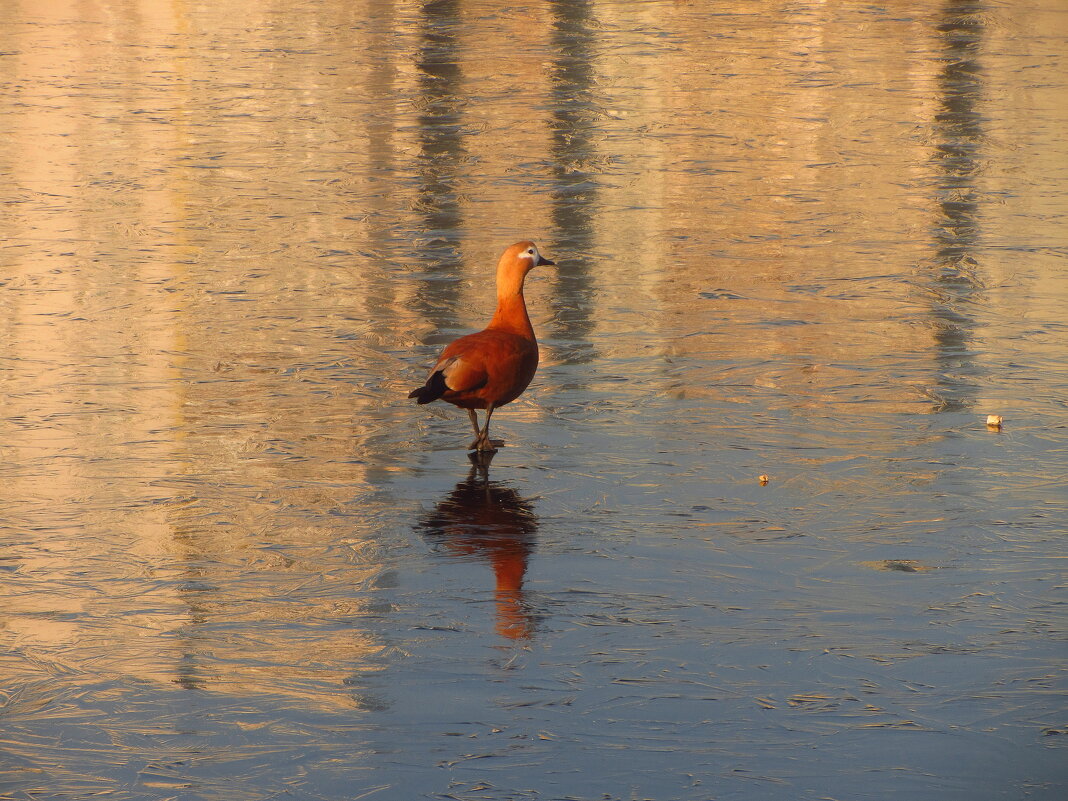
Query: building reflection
574	196
489	521
441	156
958	127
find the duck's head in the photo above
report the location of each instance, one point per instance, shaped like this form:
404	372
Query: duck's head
525	256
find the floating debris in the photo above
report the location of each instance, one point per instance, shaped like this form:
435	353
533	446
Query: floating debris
764	479
993	422
900	565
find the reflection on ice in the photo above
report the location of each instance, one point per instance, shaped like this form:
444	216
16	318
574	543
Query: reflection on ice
489	521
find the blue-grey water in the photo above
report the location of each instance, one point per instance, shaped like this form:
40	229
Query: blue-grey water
750	536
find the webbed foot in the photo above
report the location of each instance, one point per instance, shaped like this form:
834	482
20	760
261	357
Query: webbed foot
486	445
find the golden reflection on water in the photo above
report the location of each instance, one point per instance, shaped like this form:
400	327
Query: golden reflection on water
231	226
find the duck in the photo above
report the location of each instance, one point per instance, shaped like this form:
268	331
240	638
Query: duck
492	367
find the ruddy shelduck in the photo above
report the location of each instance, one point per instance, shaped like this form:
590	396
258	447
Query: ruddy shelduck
491	368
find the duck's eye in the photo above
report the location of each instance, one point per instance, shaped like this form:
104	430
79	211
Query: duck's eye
530	251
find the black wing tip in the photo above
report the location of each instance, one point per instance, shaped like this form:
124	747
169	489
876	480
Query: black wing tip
433	389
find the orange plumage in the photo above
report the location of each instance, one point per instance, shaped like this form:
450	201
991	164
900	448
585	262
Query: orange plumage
491	368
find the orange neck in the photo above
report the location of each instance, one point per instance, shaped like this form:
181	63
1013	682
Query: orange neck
511	306
512	316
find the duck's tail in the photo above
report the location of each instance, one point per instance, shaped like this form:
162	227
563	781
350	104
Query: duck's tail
433	389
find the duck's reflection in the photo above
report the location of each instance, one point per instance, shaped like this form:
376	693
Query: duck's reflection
489	521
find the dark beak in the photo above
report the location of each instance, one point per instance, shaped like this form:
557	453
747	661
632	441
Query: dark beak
545	261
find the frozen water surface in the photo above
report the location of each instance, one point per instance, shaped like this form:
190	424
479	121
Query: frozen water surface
814	242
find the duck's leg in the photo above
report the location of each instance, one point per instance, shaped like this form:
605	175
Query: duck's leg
484	443
474	424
